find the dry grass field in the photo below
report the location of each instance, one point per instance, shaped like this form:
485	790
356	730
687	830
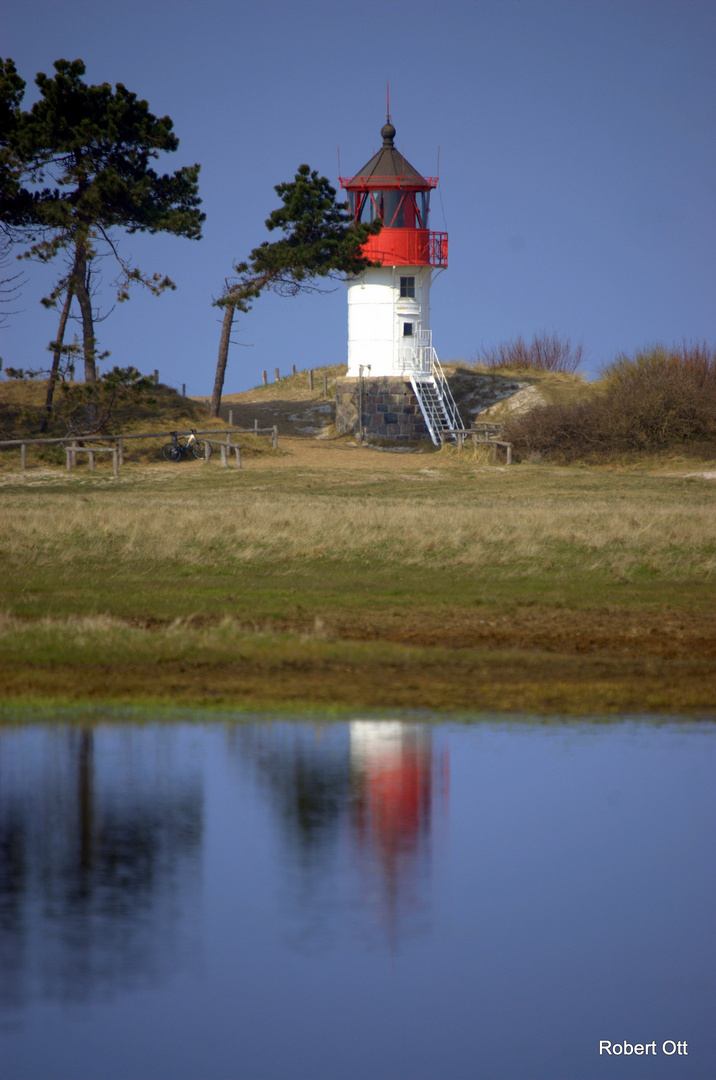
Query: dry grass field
331	575
338	576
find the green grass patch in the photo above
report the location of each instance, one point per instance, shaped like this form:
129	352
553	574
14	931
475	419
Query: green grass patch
438	585
227	666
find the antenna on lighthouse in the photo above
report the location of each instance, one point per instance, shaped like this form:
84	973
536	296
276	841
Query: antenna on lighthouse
387	98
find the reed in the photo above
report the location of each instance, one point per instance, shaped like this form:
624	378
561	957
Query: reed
213	526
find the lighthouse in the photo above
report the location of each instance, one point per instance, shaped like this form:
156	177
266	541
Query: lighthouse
395	387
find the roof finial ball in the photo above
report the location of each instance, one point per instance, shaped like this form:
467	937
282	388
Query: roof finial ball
388	133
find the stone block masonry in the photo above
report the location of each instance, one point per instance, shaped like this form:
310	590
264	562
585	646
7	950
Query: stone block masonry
390	409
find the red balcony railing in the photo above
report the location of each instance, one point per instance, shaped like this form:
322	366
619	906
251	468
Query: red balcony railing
408	247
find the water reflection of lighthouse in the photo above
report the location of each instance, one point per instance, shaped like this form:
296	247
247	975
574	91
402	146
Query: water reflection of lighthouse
398	782
359	809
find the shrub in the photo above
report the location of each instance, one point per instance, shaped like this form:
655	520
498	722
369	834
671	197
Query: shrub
658	399
546	352
662	396
87	407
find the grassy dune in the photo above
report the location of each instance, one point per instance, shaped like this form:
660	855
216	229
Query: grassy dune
361	579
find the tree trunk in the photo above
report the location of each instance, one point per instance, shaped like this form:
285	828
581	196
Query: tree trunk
222	359
85	302
57	355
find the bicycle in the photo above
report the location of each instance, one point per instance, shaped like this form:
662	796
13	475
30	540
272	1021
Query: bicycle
177	451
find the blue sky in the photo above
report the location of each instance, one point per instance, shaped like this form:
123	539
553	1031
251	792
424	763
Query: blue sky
577	148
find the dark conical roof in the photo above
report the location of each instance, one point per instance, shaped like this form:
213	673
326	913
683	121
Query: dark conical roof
388	168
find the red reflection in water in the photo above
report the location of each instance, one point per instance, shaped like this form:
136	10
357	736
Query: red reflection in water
398	778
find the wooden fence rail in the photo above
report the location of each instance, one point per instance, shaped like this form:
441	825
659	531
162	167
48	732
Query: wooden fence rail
486	435
90	444
71	453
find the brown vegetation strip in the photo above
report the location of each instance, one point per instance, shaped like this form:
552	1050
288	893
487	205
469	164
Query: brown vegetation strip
478	682
631	634
546	661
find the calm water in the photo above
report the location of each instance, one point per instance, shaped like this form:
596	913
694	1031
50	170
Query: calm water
370	900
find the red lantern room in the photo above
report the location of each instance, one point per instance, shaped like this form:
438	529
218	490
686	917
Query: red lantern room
389	188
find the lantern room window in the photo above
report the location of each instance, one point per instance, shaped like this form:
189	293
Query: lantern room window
407	289
396	209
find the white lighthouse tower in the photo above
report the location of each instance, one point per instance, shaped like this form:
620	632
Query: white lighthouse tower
389	335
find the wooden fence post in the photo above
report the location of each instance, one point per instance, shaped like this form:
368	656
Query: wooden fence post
68	455
224	462
231	417
156	377
293	369
115	461
310	378
207	451
265	378
23	456
256	427
238	456
276	375
90	455
120	447
325	386
274	437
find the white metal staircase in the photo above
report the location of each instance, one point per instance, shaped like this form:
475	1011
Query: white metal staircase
431	388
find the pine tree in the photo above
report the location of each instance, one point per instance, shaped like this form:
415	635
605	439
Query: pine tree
320	240
14	200
77	167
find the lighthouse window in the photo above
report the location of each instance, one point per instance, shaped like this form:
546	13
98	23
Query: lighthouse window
407	289
390	208
366	209
407	329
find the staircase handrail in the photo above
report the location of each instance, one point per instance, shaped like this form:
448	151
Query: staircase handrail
444	389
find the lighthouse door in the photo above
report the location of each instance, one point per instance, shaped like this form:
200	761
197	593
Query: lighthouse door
407	323
409	333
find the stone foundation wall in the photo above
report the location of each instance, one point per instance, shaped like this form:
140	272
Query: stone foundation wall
390	409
